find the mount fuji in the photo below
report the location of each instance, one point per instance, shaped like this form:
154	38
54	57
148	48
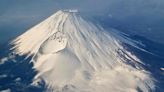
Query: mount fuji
71	54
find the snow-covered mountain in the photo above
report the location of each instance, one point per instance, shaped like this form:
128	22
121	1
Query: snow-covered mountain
74	55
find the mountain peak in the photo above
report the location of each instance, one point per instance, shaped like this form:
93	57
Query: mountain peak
74	55
66	12
71	11
42	31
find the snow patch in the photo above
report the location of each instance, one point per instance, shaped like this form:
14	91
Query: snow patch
6	90
162	69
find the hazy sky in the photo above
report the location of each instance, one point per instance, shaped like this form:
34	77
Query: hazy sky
17	16
18	9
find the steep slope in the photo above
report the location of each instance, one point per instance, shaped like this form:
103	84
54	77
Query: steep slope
73	55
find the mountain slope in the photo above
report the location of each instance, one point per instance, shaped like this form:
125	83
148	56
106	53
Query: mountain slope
74	55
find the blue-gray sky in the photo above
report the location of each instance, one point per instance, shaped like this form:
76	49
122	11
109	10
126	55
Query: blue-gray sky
16	16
